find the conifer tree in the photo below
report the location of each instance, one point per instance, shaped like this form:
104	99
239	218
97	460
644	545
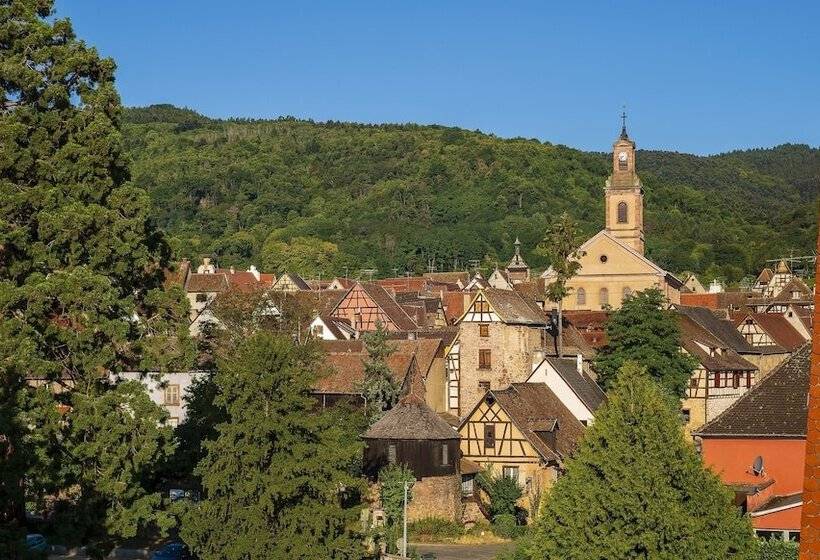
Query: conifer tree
81	274
644	331
637	489
380	390
281	479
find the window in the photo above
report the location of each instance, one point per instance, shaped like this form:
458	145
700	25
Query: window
685	415
717	380
484	386
581	296
173	421
603	297
482	306
510	472
467	484
795	295
483	330
693	382
603	258
748	379
484	359
391	454
445	454
318	330
489	436
735	380
172	395
201	298
623	212
627	293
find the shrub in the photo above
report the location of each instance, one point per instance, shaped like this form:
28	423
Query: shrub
775	549
434	529
506	526
503	491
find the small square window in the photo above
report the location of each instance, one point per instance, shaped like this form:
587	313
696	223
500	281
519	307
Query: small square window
484	386
172	395
484	359
483	331
510	472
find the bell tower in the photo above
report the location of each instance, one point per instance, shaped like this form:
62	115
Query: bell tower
624	194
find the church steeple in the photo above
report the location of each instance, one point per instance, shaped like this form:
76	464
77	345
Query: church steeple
624	193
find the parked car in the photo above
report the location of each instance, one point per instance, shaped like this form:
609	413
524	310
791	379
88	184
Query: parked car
173	551
35	542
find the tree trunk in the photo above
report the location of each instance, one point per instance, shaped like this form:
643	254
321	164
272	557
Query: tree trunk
560	328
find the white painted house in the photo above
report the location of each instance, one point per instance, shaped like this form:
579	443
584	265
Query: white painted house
571	384
170	391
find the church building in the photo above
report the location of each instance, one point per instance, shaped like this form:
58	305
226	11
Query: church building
613	264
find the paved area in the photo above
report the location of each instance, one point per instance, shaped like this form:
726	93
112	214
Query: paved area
463	551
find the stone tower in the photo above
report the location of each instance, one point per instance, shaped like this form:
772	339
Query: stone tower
624	194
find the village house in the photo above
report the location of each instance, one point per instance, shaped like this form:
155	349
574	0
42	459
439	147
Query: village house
719	379
291	282
367	304
758	444
498	335
170	390
692	286
613	264
413	435
570	382
524	432
768	330
417	365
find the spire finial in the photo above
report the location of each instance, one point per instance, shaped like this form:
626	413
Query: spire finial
623	122
517	246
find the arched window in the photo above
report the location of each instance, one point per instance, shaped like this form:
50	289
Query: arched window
627	292
581	297
603	297
623	213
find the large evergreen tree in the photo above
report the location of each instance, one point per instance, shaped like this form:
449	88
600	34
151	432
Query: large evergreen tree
281	479
636	489
644	331
379	389
81	295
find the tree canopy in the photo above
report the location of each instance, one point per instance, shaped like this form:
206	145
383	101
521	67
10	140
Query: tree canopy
637	489
281	477
642	330
394	196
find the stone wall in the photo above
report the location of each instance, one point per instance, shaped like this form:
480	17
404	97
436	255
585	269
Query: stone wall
436	496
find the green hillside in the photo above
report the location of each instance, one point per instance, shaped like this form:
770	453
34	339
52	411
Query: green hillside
322	197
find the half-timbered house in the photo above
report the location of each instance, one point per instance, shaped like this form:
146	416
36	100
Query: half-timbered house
498	335
365	305
291	282
523	432
768	329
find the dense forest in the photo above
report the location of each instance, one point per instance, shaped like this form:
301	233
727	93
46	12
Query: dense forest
323	198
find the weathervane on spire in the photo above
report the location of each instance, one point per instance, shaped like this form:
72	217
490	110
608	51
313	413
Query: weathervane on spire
623	122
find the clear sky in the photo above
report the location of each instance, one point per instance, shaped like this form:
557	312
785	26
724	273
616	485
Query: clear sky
700	77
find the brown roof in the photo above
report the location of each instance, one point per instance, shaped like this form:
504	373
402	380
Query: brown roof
775	407
411	419
793	285
533	289
389	306
765	276
205	282
537	412
723	330
453	303
513	309
449	277
725	359
403	284
591	325
776	326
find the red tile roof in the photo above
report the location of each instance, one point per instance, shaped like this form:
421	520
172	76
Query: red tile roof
776	326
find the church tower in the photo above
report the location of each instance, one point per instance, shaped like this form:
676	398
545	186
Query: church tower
624	194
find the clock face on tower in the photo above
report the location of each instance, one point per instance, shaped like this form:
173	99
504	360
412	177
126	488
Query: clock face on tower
622	157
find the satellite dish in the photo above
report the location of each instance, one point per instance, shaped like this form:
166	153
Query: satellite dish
757	466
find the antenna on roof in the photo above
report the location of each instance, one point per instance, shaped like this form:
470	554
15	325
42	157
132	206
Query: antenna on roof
757	466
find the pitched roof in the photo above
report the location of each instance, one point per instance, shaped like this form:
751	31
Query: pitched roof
512	308
403	284
411	419
297	280
793	285
449	277
453	305
765	276
389	306
775	407
591	326
581	384
538	413
692	334
336	325
206	282
776	326
723	330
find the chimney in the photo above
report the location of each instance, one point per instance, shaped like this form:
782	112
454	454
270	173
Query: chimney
579	363
255	272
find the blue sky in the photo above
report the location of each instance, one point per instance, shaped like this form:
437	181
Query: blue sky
700	77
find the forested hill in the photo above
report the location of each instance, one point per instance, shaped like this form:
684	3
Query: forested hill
322	197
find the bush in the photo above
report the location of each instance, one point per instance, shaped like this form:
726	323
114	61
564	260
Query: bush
776	549
435	529
506	526
503	491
